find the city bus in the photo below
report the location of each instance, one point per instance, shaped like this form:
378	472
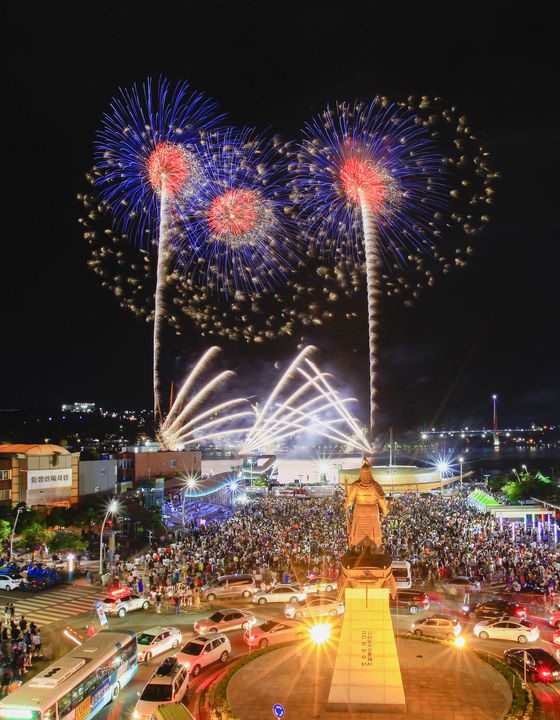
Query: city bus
402	573
79	684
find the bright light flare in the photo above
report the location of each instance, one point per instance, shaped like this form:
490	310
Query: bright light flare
320	633
459	641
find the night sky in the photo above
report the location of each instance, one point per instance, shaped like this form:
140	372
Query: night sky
492	327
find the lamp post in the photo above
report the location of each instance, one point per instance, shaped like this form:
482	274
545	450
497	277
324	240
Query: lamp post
461	461
20	508
111	510
190	485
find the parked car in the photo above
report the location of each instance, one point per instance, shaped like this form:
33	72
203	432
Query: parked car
229	586
157	640
412	600
227	619
541	666
120	602
273	632
507	628
320	584
438	625
280	593
10	581
168	684
496	609
315	607
203	650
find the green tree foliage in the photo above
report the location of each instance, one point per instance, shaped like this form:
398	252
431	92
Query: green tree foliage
67	542
35	534
5	530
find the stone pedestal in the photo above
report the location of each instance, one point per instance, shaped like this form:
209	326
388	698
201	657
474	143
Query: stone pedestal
367	675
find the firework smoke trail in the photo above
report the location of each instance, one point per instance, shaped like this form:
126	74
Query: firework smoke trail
146	162
308	408
183	423
370	248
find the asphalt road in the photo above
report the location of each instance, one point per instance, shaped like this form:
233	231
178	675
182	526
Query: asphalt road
548	695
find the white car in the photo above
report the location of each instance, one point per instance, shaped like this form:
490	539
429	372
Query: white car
169	684
461	585
156	640
507	628
204	650
280	593
10	582
273	632
227	619
315	607
120	602
320	584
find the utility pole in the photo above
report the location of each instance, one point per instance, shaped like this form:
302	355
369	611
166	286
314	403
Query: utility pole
495	413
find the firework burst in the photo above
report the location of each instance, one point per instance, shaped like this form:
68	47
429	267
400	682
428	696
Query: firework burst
304	401
237	236
374	188
189	420
146	163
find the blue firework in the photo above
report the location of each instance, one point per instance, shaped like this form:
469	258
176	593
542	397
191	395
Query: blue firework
149	136
237	232
375	157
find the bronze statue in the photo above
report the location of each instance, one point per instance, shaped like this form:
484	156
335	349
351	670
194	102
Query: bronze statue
366	563
367	496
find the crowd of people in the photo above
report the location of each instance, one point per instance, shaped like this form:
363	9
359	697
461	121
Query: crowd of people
280	539
20	642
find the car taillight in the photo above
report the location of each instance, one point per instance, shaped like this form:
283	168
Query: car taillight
545	673
425	601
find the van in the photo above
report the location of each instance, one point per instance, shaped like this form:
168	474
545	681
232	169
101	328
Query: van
402	573
230	586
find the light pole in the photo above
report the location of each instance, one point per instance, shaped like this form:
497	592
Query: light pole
190	485
20	508
111	510
461	461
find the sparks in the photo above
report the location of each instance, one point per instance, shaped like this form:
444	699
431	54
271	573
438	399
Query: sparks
303	401
168	163
190	421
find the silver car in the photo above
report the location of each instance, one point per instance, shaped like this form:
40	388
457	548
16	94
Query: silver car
280	593
441	626
227	619
315	607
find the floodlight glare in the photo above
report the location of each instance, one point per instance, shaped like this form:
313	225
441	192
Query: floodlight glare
320	633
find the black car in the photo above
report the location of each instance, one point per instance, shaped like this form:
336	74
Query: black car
496	608
412	600
541	666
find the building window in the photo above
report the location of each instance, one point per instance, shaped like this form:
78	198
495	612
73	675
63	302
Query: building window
5	495
173	463
5	474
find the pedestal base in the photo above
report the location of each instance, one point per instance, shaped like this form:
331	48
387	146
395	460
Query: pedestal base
367	675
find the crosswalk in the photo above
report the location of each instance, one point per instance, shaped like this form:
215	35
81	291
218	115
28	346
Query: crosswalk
54	604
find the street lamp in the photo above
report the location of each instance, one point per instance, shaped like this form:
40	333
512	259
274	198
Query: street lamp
111	510
20	508
320	633
461	461
189	486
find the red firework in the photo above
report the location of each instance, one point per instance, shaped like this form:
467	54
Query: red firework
168	161
362	180
233	213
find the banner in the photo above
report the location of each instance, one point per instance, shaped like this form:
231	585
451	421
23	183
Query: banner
52	478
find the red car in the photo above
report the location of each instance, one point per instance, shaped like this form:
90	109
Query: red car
554	619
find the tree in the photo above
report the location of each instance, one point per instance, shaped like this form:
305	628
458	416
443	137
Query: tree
5	531
64	541
35	534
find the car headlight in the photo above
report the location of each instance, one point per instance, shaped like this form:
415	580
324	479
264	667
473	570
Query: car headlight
135	714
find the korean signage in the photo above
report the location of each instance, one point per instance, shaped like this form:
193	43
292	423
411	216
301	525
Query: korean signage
52	478
101	612
367	648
